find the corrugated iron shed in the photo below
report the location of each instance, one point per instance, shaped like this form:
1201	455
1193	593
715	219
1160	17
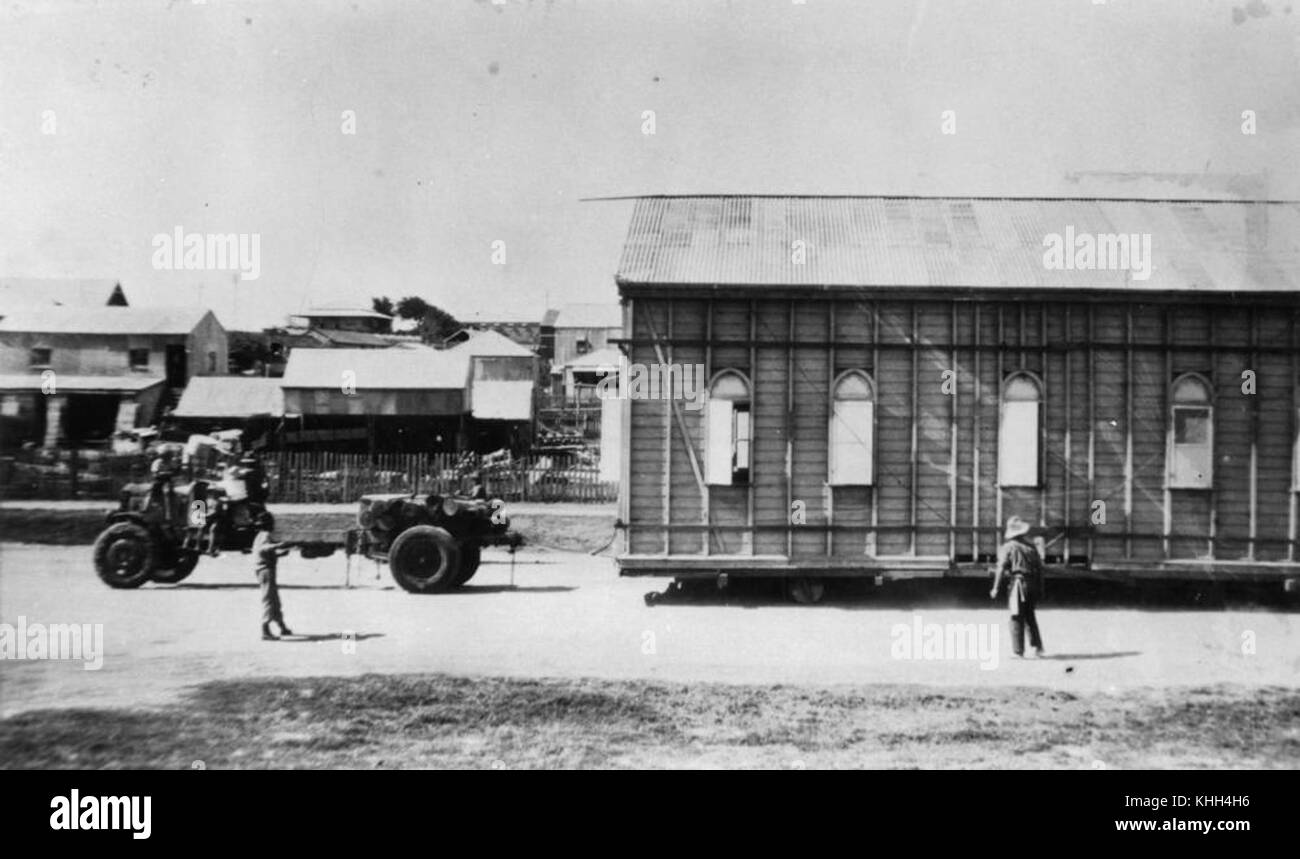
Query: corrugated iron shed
418	368
230	397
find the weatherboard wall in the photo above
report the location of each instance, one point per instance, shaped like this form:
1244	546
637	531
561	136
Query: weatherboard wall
1105	364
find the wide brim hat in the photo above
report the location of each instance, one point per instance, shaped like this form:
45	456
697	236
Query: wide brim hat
1017	527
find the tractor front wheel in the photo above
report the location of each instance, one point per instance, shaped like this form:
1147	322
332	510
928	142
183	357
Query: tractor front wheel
125	555
425	559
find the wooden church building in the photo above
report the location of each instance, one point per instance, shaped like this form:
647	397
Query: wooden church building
888	379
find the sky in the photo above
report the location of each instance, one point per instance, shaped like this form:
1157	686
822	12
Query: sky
481	128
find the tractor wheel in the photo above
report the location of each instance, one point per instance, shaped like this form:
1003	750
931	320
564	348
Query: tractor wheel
425	559
125	555
470	555
186	561
805	590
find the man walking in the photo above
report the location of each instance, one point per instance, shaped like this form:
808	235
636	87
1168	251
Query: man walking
1019	560
267	554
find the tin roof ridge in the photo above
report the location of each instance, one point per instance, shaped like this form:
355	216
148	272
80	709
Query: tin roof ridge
1004	197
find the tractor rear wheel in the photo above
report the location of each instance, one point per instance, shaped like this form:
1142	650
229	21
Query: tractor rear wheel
125	555
470	555
186	561
424	559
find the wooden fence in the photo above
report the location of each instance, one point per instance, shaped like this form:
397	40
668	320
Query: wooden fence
318	476
331	478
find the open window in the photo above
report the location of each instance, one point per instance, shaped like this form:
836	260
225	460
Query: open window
1020	431
852	430
728	431
40	357
138	359
1191	434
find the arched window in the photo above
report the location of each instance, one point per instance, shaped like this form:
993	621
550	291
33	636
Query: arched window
1019	431
852	430
1191	434
728	434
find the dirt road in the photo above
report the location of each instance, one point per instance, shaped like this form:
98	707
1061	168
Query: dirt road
570	616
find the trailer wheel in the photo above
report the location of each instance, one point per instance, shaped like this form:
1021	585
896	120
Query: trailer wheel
124	555
186	561
806	590
424	559
470	556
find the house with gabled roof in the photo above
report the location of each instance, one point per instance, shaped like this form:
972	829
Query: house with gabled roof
77	375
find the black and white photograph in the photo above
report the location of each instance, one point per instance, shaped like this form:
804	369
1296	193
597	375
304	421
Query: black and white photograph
677	385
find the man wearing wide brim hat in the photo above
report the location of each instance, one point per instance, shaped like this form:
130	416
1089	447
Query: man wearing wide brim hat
1020	562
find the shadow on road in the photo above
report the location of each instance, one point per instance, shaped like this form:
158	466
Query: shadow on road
234	586
330	636
864	595
1076	657
498	589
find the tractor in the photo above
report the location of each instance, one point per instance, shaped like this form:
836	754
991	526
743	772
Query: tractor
160	530
432	543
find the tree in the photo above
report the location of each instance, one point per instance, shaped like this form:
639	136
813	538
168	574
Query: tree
248	350
413	307
436	324
382	304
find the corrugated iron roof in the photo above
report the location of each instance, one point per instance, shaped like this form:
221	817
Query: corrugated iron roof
57	292
342	310
918	242
103	320
419	368
66	383
363	339
491	344
600	359
230	397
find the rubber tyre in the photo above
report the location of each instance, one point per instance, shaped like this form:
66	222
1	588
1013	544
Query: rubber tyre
470	556
125	555
424	559
185	564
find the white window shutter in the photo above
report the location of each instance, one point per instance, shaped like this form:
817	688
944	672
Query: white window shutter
1192	462
717	445
1018	444
851	443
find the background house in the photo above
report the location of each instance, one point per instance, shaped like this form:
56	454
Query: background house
576	329
517	328
329	327
78	375
502	385
581	376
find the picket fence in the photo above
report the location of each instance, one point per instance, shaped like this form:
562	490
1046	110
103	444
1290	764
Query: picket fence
317	476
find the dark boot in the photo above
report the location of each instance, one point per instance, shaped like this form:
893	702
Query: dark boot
284	630
267	635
